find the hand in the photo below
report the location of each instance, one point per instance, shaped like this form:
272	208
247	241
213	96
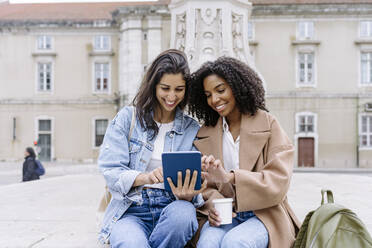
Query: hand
187	190
214	219
213	170
155	176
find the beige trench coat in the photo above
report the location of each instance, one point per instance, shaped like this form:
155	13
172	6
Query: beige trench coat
264	174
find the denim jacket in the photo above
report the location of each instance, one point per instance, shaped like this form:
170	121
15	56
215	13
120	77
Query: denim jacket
120	162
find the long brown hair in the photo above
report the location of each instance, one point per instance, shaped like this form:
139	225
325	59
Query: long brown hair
171	61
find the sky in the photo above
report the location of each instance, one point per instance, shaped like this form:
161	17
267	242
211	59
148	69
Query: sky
74	1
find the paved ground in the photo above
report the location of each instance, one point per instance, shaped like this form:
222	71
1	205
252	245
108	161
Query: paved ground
60	209
11	172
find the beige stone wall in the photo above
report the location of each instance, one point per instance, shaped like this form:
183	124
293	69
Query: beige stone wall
274	54
166	33
71	105
74	69
72	64
16	69
334	100
365	154
72	129
336	135
336	57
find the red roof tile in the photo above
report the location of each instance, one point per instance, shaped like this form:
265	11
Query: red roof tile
102	11
259	2
65	11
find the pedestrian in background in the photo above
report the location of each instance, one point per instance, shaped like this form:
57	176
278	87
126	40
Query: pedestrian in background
29	166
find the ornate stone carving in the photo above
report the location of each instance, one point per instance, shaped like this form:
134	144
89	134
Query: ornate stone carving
181	31
208	34
238	45
208	15
206	30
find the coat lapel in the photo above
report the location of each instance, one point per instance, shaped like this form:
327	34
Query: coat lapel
210	143
254	134
210	140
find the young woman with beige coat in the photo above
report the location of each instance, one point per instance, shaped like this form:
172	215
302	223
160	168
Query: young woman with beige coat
247	156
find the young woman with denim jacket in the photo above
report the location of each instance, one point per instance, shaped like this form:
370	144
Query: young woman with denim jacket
141	213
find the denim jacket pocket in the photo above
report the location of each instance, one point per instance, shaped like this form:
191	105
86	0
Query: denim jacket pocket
135	145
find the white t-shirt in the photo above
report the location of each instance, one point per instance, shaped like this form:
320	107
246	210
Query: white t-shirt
155	161
230	148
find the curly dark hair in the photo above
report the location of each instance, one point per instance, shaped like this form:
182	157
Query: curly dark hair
171	61
246	86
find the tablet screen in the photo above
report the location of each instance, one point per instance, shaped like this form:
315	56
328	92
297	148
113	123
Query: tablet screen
181	161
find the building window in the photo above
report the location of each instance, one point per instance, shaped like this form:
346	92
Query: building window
102	43
366	29
366	68
306	123
44	76
100	129
366	131
101	78
306	69
14	128
44	142
305	30
44	42
250	31
45	125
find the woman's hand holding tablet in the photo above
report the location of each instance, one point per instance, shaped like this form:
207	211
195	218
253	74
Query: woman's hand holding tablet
186	191
179	165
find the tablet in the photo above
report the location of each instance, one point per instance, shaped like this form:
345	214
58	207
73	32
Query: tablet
181	161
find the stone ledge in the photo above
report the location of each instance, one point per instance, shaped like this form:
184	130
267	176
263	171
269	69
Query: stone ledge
53	101
306	42
311	9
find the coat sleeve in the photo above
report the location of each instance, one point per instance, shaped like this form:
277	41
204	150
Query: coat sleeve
268	186
28	170
209	194
114	156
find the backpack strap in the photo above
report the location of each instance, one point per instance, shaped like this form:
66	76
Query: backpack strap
329	196
132	123
302	234
107	196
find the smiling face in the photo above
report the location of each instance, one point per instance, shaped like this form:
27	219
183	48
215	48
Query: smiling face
219	95
170	91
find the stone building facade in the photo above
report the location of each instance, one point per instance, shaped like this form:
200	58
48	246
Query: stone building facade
66	69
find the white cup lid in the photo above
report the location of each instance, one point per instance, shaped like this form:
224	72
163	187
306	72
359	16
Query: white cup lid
223	200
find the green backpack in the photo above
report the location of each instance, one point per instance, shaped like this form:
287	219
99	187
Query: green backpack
332	226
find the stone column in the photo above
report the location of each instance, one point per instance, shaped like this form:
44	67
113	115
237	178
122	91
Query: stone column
207	31
130	56
153	37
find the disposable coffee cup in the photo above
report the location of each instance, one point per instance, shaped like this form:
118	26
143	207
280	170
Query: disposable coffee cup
224	209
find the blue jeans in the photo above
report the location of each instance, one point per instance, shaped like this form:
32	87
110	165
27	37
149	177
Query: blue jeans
160	221
245	231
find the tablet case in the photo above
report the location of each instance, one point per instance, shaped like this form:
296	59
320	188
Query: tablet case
180	161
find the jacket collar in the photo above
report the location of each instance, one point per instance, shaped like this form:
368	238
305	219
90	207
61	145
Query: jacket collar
178	128
178	121
254	133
